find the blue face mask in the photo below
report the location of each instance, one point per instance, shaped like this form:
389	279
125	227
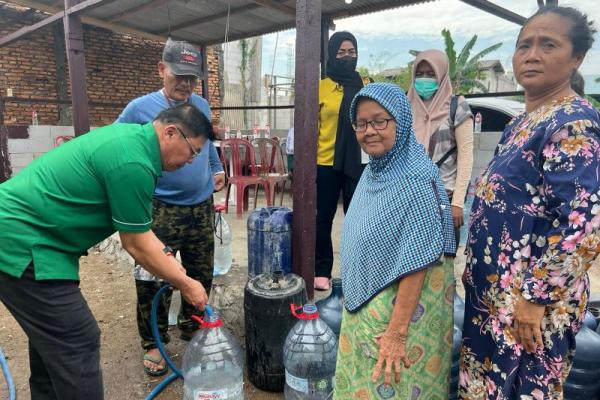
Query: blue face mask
426	87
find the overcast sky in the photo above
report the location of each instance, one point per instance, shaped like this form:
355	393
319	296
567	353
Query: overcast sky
419	27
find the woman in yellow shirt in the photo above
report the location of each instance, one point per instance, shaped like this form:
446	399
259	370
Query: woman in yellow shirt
339	158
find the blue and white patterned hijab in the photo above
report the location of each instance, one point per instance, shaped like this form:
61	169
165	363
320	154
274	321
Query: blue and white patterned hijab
399	220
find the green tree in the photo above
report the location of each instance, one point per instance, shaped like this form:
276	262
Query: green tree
463	68
377	64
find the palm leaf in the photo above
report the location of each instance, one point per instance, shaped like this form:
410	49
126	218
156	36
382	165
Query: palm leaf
463	57
450	52
414	52
473	61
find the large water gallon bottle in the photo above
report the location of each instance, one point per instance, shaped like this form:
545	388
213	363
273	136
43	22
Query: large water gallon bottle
213	362
464	229
459	310
590	321
267	322
454	369
593	306
223	256
174	307
583	382
331	307
459	317
309	357
269	241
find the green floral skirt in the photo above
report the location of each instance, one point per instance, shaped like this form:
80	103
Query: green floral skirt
429	343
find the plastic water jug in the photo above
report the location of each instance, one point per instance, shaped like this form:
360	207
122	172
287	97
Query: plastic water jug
269	241
268	320
309	356
212	365
330	308
174	307
590	321
583	382
459	310
456	342
223	256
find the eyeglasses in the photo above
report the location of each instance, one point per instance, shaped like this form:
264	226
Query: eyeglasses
195	153
377	124
191	79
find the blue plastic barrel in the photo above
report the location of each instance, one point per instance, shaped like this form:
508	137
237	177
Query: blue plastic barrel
269	241
583	382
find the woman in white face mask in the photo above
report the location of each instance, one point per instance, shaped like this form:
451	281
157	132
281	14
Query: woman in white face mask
443	124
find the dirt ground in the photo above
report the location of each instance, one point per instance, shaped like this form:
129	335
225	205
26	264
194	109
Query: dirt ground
109	289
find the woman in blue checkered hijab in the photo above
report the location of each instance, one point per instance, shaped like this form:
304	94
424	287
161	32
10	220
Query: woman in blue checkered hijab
398	284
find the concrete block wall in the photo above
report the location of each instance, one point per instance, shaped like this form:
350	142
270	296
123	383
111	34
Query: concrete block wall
42	139
119	68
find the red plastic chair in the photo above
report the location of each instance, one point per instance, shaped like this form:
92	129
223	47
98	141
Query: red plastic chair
237	157
272	165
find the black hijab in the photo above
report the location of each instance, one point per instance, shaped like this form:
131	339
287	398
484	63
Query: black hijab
347	155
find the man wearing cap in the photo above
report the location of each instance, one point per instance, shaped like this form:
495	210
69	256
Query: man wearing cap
182	205
63	203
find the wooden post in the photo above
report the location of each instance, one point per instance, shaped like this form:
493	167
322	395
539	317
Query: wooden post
308	32
324	47
5	170
77	75
60	60
205	91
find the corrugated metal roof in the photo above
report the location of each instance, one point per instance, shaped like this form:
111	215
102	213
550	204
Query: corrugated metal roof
204	21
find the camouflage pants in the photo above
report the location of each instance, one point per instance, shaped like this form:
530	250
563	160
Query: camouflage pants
189	231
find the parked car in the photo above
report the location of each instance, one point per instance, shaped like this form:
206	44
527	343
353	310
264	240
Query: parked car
495	112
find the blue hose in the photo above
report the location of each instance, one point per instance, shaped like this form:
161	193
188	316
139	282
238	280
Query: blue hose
12	393
163	384
161	348
156	334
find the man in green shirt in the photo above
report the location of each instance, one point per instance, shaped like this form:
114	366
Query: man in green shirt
67	201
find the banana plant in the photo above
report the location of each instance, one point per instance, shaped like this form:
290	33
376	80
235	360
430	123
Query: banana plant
463	68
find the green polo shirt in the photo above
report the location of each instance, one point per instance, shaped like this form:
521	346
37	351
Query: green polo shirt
75	196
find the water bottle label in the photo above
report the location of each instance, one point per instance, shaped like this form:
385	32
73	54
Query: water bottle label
323	385
312	386
223	394
298	384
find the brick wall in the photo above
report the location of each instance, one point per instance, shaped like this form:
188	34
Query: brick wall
119	68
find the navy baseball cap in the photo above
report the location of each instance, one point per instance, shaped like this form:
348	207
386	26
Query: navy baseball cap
182	58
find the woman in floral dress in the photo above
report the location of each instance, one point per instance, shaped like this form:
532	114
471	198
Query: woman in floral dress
534	228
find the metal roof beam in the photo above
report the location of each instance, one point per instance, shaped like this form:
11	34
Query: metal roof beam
26	30
496	10
91	21
274	5
244	35
386	5
132	11
210	18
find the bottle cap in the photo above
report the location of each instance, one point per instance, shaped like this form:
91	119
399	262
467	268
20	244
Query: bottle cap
309	311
